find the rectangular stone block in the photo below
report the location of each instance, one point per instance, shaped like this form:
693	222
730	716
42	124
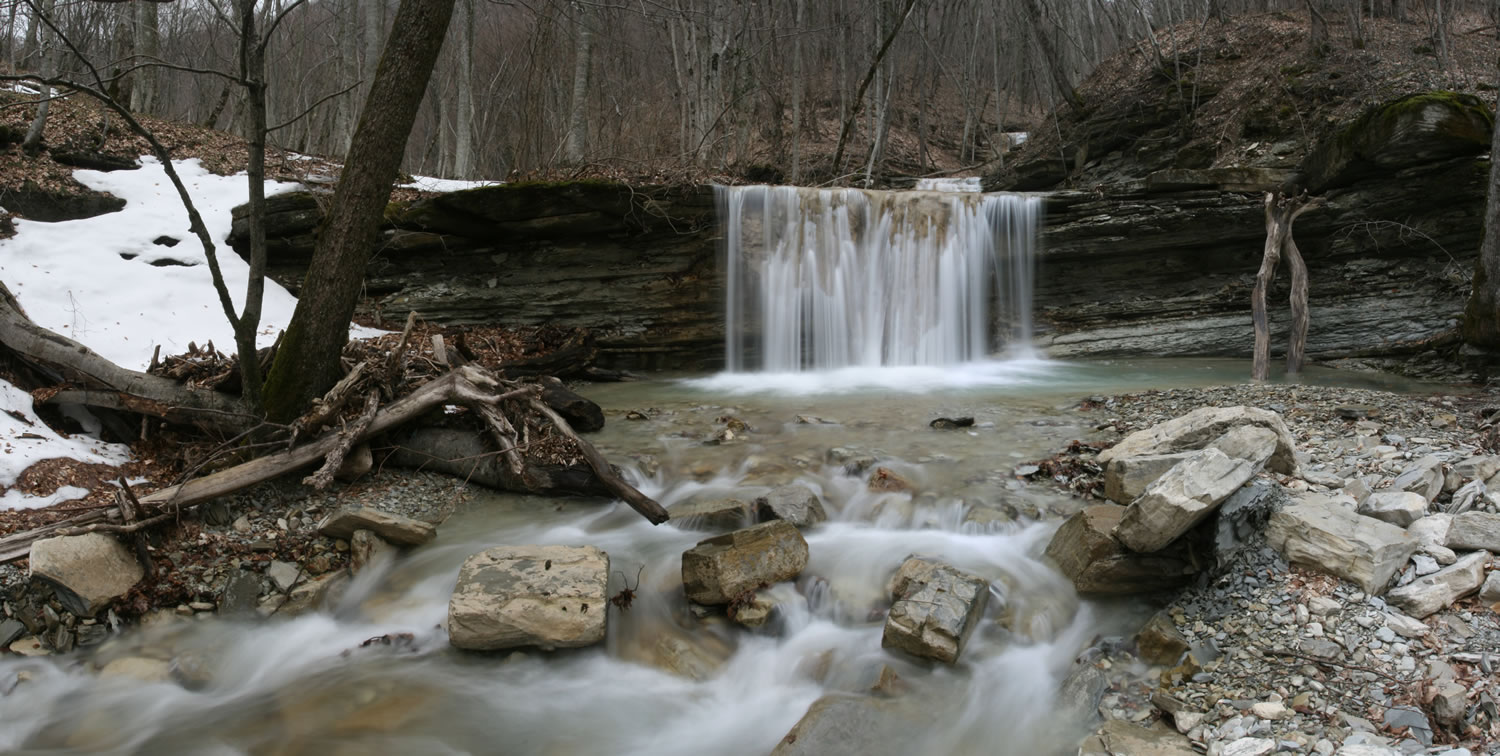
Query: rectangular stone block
1325	536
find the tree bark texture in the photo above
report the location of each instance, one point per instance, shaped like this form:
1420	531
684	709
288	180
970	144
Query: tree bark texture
1481	325
1281	212
308	362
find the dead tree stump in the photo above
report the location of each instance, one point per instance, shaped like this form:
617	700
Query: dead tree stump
1281	212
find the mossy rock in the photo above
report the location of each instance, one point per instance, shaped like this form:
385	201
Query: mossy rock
535	209
1413	130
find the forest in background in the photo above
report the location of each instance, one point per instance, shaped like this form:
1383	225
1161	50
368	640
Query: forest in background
778	90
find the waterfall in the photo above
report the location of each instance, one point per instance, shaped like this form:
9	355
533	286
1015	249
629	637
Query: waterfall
819	279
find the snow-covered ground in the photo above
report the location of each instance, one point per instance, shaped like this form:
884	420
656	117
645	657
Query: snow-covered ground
430	184
106	282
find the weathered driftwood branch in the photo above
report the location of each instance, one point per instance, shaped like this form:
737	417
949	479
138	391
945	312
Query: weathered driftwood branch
1281	211
638	501
335	459
326	409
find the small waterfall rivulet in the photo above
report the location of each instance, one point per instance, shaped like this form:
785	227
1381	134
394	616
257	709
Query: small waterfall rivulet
819	279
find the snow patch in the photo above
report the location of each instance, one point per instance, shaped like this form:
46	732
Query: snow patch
26	440
430	184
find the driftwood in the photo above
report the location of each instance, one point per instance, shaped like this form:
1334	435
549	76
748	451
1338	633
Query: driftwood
466	385
1281	211
335	459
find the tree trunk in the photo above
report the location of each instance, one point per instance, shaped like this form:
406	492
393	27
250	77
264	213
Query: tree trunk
1482	314
798	86
253	71
308	362
578	120
463	138
50	57
1051	57
859	94
147	45
1281	213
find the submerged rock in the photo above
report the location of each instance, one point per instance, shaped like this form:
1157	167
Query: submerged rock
544	596
722	569
1320	534
1098	564
937	607
840	723
88	571
794	503
712	514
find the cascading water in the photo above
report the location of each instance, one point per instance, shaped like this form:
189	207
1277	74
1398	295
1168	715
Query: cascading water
821	279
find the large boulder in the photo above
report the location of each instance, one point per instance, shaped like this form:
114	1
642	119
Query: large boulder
1183	497
1203	426
1473	530
1415	130
544	596
722	569
936	609
394	528
1126	478
1430	593
794	503
88	571
1085	550
1318	533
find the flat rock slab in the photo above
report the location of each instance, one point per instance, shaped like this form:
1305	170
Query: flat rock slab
88	570
1325	536
1126	478
1473	530
721	569
1399	508
402	531
936	611
794	503
1099	565
544	596
1430	593
1201	427
1182	498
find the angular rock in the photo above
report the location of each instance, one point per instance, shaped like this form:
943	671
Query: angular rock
1159	642
1430	593
1478	468
394	528
1086	552
1424	477
88	571
1325	536
1126	478
1121	738
309	595
241	594
721	569
1182	498
1489	593
1467	497
795	503
1399	508
1474	530
1415	129
1449	702
1432	530
1201	427
1406	627
1251	443
1242	517
545	596
10	630
935	613
284	575
712	514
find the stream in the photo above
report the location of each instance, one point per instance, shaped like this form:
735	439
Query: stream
667	681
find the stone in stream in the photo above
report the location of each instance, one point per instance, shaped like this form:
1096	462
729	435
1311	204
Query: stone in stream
1097	564
1183	497
1430	593
794	503
1126	478
1200	428
138	668
403	531
841	723
367	548
1399	508
1320	534
1474	530
88	571
1423	477
1120	738
711	514
545	596
722	569
936	609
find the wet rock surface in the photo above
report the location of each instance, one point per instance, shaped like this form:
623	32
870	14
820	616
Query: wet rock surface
519	596
722	569
936	608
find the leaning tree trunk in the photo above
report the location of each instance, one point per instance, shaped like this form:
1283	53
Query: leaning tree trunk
1281	211
308	362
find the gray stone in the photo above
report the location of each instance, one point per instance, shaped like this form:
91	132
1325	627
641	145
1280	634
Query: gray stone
1126	478
712	514
1251	443
1423	477
1410	717
1200	428
284	575
241	593
794	503
88	571
721	569
1489	593
1325	536
1358	490
367	548
934	614
1474	530
1242	517
1432	529
1449	702
1182	498
1399	508
1249	747
841	723
544	596
1467	497
1086	552
1120	738
1478	468
1406	627
1078	696
394	528
1426	595
10	630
